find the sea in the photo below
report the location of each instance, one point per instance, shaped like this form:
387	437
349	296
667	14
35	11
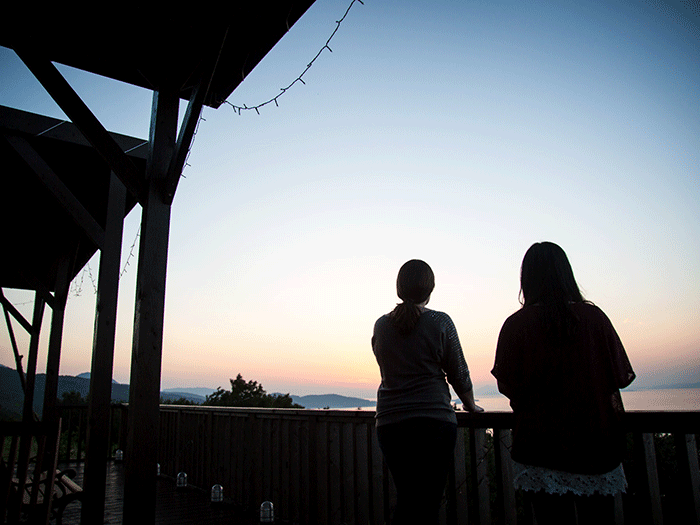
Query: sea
660	399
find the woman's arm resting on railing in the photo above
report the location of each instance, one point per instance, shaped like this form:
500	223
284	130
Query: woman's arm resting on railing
467	398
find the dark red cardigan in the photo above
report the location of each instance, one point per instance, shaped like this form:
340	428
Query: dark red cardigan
565	398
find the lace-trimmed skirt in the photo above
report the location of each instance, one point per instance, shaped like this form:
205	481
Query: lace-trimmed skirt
527	477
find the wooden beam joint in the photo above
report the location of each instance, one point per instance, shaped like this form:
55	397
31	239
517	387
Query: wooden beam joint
59	190
76	110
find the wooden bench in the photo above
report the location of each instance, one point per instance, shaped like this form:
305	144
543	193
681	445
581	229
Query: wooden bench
65	491
25	485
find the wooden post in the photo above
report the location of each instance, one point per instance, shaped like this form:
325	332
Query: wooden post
103	357
334	473
322	500
362	477
457	505
49	413
347	472
619	509
689	473
646	454
28	411
478	453
313	441
55	339
256	472
295	481
7	309
504	476
144	392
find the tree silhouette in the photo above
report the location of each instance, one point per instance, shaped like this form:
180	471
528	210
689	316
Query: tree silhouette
248	394
72	398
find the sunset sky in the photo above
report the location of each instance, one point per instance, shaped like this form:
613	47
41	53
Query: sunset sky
457	132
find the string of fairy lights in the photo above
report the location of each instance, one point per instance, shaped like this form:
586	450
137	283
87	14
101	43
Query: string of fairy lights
300	78
76	288
77	285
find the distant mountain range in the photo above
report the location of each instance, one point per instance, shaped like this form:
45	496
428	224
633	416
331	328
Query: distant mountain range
11	394
664	387
310	401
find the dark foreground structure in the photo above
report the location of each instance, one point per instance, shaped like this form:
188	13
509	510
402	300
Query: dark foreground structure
325	467
67	187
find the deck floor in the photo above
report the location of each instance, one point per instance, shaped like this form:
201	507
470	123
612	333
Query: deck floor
173	506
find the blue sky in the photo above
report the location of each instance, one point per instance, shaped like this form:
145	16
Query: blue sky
456	132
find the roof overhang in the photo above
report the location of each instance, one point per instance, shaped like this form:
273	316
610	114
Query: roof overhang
151	47
42	159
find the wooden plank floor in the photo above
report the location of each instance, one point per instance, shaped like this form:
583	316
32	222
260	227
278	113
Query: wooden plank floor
176	507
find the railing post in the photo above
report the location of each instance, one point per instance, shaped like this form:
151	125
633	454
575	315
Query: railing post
82	433
619	510
457	505
646	455
296	480
284	461
311	473
322	486
378	494
689	474
124	425
347	472
178	444
207	462
478	453
504	476
334	473
362	474
257	455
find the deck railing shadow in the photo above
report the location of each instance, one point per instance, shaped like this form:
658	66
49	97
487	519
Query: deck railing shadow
325	466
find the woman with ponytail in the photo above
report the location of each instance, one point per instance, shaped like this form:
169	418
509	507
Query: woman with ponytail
418	353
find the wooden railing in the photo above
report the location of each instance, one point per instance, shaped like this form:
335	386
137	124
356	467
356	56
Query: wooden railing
73	441
325	466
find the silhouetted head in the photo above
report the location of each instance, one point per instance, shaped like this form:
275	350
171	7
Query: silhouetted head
415	282
546	276
414	285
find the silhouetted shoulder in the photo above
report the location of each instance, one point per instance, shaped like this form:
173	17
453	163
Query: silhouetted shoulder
592	312
520	316
382	320
439	317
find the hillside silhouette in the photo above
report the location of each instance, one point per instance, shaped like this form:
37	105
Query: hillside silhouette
11	395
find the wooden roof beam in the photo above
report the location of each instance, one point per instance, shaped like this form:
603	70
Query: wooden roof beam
42	291
184	141
9	308
189	124
59	190
76	110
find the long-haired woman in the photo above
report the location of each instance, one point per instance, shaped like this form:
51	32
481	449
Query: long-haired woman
562	365
418	352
